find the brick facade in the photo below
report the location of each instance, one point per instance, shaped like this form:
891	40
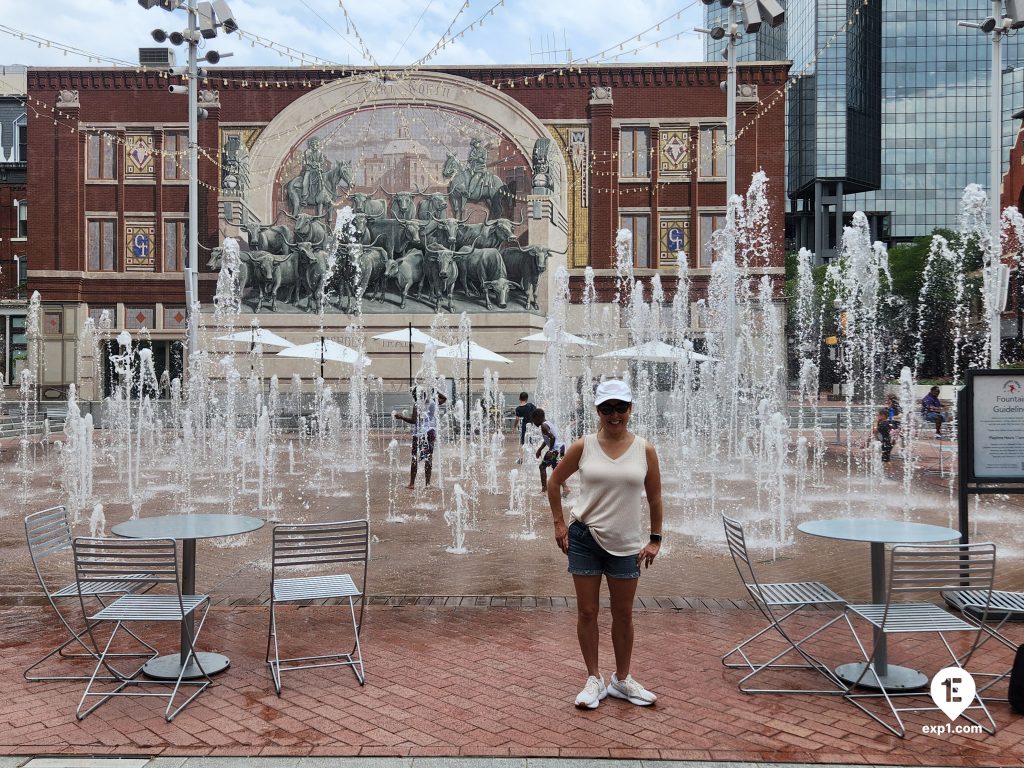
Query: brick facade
124	102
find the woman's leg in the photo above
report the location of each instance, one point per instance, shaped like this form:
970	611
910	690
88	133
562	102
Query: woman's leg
588	591
622	592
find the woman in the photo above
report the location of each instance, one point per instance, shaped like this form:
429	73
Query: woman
606	536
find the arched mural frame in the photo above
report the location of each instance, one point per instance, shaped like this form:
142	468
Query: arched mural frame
365	91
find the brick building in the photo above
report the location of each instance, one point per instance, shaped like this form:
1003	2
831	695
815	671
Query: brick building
640	147
13	221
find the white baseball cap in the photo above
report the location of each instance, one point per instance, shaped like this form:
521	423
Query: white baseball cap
613	389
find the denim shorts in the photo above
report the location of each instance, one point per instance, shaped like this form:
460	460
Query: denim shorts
587	558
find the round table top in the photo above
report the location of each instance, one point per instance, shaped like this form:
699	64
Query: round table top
878	531
187	526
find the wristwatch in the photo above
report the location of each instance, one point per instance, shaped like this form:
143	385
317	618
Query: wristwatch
656	538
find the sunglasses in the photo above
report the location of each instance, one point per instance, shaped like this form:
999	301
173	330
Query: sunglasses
607	409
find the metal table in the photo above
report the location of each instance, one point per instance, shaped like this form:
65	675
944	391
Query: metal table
879	533
186	528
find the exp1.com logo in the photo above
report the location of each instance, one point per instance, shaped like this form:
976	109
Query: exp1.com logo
953	689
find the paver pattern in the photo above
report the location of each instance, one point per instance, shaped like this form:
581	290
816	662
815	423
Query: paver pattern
482	681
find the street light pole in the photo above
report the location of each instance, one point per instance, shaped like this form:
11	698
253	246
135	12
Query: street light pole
992	283
190	270
730	108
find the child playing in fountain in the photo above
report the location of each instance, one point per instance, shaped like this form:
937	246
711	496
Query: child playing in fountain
883	432
552	448
424	421
524	413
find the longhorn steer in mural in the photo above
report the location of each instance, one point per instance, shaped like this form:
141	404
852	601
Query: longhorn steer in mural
432	204
485	268
371	206
492	233
270	273
276	238
467	186
403	204
320	187
309	229
407	272
360	271
443	231
441	272
314	267
395	236
525	265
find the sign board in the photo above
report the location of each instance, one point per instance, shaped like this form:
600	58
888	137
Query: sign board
995	401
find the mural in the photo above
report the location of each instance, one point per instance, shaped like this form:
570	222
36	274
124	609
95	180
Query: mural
439	199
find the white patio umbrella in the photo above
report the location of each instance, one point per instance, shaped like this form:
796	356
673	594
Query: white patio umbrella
655	352
322	350
564	337
412	336
470	351
256	335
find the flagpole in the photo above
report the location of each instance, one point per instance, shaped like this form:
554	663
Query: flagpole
467	388
410	354
321	357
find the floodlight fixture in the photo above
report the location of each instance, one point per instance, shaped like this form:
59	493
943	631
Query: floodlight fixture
1015	11
224	16
1018	115
181	90
715	33
176	38
751	16
214	57
725	3
772	12
988	25
159	35
709	2
147	4
207	22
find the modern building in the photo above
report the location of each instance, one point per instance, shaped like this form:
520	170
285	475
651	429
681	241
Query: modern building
932	116
568	157
13	222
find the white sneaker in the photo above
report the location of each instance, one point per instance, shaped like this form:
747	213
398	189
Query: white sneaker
592	693
938	436
630	690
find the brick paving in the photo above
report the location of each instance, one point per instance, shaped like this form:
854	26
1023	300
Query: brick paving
483	681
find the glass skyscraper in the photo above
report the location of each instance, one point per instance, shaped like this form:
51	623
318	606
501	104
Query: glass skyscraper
896	111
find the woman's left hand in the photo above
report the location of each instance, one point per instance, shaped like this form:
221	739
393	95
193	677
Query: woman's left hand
647	554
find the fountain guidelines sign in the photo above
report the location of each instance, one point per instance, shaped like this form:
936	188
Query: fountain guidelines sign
996	424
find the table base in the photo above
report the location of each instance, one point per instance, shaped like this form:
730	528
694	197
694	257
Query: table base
168	667
897	679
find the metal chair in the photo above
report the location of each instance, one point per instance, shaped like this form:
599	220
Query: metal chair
48	533
98	560
925	569
1004	606
310	545
777	603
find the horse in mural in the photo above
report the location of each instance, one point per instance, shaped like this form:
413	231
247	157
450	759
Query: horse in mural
464	186
321	197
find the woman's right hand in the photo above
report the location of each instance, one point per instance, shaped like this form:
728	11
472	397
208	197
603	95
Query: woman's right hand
562	535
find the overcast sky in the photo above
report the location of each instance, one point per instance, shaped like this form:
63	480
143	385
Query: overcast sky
394	31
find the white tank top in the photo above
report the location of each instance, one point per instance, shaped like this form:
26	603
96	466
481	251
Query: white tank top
610	490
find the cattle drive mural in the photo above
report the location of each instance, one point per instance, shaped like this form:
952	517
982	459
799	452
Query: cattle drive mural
438	202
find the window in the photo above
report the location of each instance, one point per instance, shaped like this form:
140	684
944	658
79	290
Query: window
175	164
101	245
712	151
634	153
175	245
640	225
22	218
709	222
21	139
100	153
16	353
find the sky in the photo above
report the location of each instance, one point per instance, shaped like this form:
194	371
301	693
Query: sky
382	32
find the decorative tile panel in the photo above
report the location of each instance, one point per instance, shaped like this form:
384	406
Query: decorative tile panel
175	318
139	158
139	243
674	151
673	238
139	317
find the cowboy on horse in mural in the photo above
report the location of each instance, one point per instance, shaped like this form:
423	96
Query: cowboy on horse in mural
314	163
475	184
